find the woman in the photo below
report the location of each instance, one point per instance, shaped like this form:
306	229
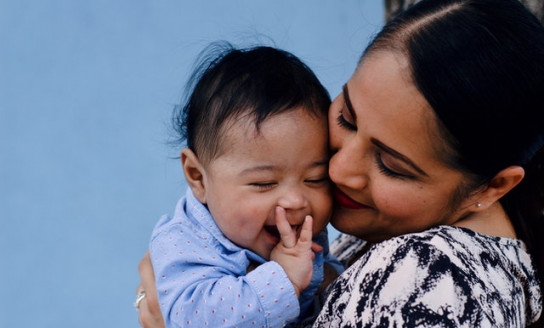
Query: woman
438	165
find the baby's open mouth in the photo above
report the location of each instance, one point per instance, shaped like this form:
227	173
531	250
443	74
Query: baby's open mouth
273	230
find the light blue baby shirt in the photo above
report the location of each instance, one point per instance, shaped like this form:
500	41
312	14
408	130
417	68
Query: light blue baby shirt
201	276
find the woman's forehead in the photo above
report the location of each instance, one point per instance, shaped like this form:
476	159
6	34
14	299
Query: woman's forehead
380	89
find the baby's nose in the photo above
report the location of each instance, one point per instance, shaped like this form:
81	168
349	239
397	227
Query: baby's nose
293	200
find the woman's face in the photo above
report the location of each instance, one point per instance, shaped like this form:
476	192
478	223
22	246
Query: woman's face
389	179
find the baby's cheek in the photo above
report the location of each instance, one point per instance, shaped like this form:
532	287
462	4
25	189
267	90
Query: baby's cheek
323	215
318	226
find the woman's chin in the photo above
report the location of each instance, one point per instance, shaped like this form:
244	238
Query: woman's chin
341	225
350	225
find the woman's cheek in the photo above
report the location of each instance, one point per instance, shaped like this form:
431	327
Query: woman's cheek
397	202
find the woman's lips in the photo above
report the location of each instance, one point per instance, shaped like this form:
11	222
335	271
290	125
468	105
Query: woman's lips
346	202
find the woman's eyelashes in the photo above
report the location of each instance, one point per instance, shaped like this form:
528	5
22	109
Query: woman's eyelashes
342	122
388	171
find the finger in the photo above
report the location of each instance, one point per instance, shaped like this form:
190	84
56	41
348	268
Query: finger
287	235
147	277
139	289
145	269
147	319
144	315
306	232
316	247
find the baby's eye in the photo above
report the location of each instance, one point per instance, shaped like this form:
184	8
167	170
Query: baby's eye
318	180
263	185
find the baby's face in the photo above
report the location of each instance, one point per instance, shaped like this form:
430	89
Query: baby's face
286	165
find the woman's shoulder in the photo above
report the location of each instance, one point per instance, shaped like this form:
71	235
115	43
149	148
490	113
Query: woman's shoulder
346	248
464	249
452	251
440	270
452	242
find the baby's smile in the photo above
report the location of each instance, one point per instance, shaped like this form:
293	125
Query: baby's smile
273	230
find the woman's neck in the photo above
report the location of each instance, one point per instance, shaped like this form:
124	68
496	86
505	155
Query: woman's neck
492	222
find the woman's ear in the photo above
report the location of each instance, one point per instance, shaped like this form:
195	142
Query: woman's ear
499	186
194	174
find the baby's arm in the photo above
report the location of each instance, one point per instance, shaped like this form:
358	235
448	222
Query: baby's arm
295	254
198	287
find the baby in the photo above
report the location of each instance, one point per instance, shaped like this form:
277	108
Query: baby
238	250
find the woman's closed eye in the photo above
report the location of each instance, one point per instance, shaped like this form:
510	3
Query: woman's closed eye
343	122
347	118
385	169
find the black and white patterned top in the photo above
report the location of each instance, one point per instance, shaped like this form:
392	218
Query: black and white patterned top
442	277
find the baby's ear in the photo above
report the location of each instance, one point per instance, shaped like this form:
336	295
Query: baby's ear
194	173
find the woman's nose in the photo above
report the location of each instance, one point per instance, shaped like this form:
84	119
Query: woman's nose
349	167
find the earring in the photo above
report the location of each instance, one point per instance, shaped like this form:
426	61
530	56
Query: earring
478	204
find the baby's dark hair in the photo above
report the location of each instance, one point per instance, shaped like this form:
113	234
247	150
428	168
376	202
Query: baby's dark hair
229	84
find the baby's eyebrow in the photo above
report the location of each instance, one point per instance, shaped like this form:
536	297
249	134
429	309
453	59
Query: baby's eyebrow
258	168
269	168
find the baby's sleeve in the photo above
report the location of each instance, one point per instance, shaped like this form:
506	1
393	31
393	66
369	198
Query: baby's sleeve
198	286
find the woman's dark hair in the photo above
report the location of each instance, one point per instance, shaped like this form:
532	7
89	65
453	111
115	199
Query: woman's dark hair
229	84
480	65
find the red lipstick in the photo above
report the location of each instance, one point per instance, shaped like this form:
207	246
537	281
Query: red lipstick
346	202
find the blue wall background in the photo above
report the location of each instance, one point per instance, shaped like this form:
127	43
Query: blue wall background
86	93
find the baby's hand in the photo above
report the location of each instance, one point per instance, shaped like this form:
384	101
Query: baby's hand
295	255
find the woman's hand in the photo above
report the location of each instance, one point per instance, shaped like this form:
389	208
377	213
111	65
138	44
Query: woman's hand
149	311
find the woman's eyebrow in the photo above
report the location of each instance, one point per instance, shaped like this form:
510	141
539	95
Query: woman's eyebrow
397	155
347	100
